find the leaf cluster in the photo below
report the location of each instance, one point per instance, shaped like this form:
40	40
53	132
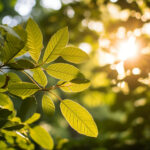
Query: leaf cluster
22	50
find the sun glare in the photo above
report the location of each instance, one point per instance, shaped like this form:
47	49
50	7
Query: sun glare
127	49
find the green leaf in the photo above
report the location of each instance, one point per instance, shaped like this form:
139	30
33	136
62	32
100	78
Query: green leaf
22	89
3	90
12	46
78	118
23	35
4	113
58	41
22	64
21	32
13	125
10	31
28	108
74	85
64	71
13	77
34	39
6	102
33	118
39	76
74	55
42	137
48	105
2	80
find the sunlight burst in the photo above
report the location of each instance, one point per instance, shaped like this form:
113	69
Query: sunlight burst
127	49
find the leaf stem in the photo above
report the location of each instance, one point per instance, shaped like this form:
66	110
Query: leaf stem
59	98
31	79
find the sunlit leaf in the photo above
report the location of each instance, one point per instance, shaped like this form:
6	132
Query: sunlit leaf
39	76
74	55
13	77
73	86
64	71
33	118
78	118
34	39
22	64
12	46
22	89
58	41
48	105
42	137
6	102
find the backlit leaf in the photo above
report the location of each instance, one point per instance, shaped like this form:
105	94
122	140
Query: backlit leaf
33	118
6	102
64	71
73	86
22	64
58	41
48	105
74	55
39	76
12	46
22	89
78	118
34	39
42	137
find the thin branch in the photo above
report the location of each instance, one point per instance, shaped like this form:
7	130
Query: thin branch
59	98
31	79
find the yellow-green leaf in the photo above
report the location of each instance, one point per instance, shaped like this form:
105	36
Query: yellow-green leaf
34	39
78	118
33	118
42	137
48	105
73	86
22	89
39	76
22	64
58	41
6	102
74	55
64	71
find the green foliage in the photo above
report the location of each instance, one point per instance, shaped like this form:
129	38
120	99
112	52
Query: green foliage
34	39
74	55
40	136
19	41
58	41
23	89
78	118
64	72
40	77
48	105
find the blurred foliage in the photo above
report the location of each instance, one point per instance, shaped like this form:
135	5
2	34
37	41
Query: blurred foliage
117	98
